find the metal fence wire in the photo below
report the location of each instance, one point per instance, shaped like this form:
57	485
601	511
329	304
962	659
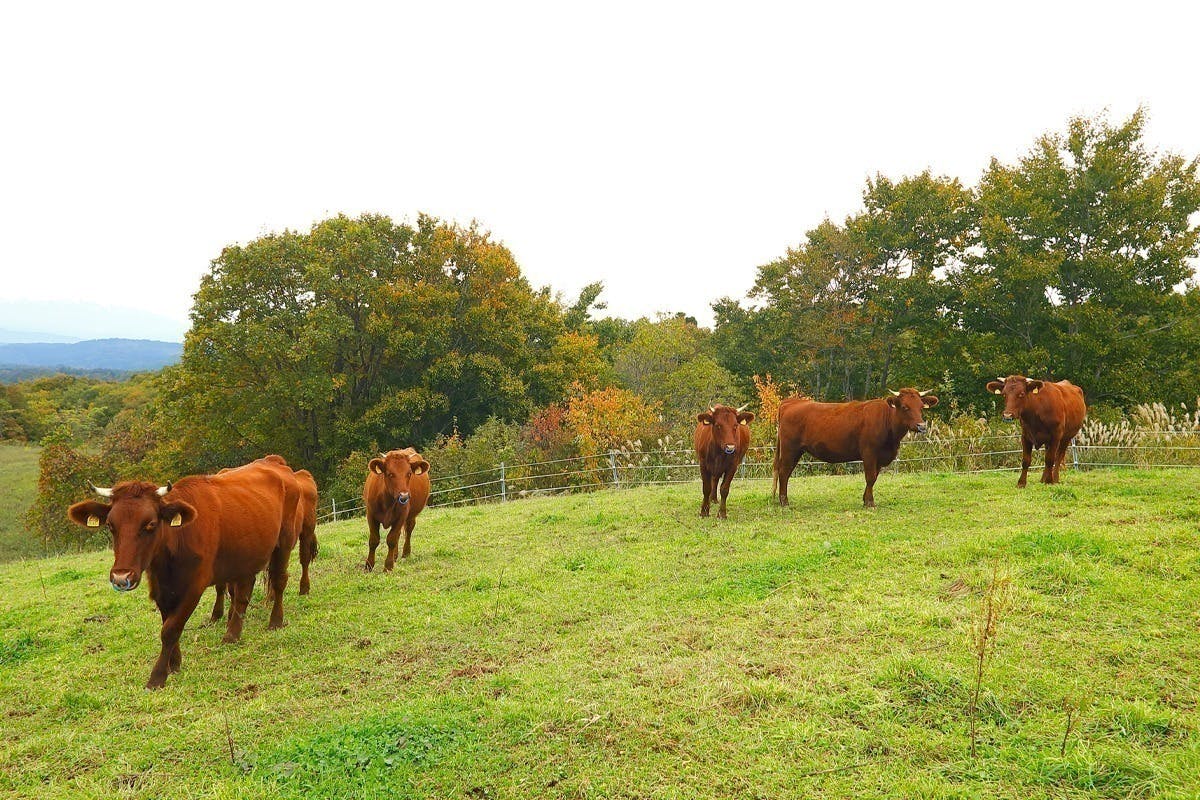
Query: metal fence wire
627	467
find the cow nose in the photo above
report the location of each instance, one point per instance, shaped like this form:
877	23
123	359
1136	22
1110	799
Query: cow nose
729	449
921	427
122	581
1008	417
402	498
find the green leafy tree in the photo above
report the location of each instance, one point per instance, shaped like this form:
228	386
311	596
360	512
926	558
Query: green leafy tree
364	332
1085	243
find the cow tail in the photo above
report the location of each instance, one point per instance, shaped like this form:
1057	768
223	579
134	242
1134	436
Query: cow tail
775	469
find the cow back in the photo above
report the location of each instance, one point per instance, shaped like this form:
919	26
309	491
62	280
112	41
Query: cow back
834	432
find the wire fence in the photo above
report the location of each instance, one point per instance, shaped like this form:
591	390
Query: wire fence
635	467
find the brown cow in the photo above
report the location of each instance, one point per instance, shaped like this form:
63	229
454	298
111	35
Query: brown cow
201	531
863	430
721	438
306	525
396	490
1050	413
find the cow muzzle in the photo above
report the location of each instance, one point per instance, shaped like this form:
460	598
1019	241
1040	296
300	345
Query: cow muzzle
730	449
922	427
1007	417
124	581
402	499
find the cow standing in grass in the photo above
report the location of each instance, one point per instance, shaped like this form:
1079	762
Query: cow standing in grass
198	532
396	490
722	438
1051	414
862	430
306	528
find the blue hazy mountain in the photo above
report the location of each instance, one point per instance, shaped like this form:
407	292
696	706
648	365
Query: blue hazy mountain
121	355
77	320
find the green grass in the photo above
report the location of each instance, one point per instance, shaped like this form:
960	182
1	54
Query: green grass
617	645
18	486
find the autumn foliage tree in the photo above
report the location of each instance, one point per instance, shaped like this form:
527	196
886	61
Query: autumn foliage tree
362	333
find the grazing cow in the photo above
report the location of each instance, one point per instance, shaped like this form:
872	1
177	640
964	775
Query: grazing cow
721	438
863	430
198	532
306	525
1050	413
396	490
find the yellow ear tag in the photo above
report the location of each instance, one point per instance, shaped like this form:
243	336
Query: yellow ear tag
93	521
176	520
997	391
418	471
1035	391
706	422
741	422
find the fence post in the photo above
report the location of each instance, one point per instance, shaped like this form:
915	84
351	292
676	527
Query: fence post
503	484
612	462
1074	456
335	509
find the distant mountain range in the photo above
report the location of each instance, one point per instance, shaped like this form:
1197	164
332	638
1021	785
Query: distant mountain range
121	355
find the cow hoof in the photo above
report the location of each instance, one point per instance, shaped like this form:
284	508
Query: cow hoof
156	683
274	626
369	567
229	639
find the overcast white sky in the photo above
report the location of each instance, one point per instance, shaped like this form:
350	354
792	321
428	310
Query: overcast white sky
666	149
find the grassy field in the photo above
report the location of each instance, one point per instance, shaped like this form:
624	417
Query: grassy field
617	645
18	485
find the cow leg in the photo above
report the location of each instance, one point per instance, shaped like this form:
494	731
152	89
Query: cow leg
372	541
393	543
729	473
706	483
1026	459
870	472
308	549
239	599
218	605
170	658
787	464
1052	448
277	578
409	524
1062	456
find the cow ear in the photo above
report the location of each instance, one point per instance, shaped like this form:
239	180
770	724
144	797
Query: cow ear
419	466
995	387
376	466
893	401
89	513
177	514
704	418
745	417
929	400
1033	386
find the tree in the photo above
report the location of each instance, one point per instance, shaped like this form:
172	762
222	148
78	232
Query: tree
361	333
1084	244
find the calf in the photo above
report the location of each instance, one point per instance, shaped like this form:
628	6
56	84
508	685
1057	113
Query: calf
1051	414
396	490
862	430
721	438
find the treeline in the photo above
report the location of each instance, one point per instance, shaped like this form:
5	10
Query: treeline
364	334
1075	262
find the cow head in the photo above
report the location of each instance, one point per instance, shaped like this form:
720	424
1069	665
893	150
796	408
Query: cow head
1014	389
142	522
908	405
397	469
724	422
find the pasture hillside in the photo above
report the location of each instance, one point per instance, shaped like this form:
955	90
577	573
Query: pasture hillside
18	486
617	645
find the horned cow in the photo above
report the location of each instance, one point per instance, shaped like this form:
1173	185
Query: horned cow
862	430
